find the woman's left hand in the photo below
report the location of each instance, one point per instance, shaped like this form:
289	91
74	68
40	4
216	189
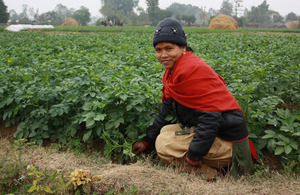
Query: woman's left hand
193	163
139	147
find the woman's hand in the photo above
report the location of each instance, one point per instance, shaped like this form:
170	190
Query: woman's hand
139	147
193	163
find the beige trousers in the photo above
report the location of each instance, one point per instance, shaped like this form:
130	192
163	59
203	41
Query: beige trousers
171	148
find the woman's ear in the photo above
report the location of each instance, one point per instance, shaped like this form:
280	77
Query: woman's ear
183	49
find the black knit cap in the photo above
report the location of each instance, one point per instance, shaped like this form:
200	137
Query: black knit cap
169	30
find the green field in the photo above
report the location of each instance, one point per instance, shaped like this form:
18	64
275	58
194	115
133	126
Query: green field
96	82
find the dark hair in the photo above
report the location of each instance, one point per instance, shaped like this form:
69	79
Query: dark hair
188	48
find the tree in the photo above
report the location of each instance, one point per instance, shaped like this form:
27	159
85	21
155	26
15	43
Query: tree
291	17
212	12
237	7
43	19
141	18
189	19
4	15
13	16
182	9
83	16
260	14
108	11
226	8
23	17
33	15
276	17
63	11
153	10
119	6
54	18
203	16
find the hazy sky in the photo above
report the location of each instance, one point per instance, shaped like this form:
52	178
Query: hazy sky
282	6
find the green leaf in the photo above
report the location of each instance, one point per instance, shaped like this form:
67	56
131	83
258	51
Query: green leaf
35	125
86	107
118	122
281	143
285	129
73	131
267	136
9	101
32	189
98	131
45	135
124	97
99	117
89	115
32	134
252	135
45	128
270	132
110	192
2	104
109	125
139	108
271	145
287	149
132	134
128	107
54	175
48	190
287	114
279	150
296	134
87	135
61	179
295	145
283	138
90	122
280	112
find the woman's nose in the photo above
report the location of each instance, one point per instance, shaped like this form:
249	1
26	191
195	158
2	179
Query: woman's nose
164	54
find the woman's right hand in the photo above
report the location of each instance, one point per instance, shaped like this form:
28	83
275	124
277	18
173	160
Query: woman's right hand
139	147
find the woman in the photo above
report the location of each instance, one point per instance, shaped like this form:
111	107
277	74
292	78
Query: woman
212	130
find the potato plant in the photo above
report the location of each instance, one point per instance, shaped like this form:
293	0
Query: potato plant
98	84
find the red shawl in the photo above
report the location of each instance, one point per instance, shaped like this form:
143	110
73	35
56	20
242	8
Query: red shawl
196	85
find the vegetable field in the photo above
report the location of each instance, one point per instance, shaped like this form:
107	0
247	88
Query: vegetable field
108	85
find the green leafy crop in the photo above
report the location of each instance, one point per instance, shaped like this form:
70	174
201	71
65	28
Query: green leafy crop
108	85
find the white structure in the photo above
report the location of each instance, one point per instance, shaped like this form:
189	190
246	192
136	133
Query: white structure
18	27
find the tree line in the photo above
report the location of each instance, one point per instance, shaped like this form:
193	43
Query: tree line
131	14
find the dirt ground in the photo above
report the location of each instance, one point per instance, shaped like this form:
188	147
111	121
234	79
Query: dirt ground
149	178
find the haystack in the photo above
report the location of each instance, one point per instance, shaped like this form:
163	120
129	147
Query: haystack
294	24
223	22
70	22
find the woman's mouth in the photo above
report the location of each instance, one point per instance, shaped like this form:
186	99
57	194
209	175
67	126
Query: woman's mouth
165	62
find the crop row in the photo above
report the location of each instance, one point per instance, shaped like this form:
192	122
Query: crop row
108	85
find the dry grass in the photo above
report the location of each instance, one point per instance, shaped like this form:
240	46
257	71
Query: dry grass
149	178
70	22
223	22
294	25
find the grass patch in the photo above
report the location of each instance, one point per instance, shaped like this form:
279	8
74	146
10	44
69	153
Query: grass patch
23	165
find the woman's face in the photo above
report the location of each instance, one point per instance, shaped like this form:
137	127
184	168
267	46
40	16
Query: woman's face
168	53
